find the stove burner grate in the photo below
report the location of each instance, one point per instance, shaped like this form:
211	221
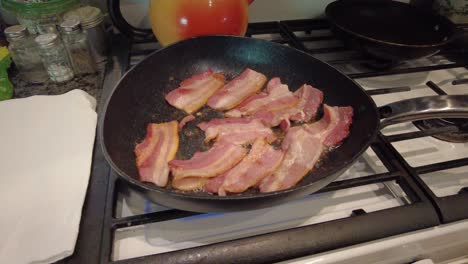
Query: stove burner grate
424	209
458	136
378	64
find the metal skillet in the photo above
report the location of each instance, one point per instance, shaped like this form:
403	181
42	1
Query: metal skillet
390	30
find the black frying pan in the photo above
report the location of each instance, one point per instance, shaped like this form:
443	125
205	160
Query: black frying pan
390	30
139	99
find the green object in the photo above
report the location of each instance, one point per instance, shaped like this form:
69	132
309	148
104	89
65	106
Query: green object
6	88
39	16
50	7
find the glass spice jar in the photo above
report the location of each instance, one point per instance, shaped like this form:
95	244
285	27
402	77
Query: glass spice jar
25	54
92	22
78	48
54	57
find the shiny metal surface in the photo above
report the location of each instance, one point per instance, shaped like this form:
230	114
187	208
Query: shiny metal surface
70	25
16	32
46	40
92	19
97	36
446	106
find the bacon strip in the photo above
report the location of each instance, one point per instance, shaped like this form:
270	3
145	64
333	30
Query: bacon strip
186	120
302	152
189	183
194	92
236	130
310	100
214	184
274	94
341	126
279	105
220	158
261	162
285	125
303	108
304	146
236	91
155	151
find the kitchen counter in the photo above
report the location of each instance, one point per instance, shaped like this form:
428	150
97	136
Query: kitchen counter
91	83
89	242
99	85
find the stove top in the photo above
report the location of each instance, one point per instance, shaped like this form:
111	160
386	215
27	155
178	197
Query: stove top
408	180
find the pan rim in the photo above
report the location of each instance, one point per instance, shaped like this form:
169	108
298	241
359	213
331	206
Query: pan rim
389	43
190	195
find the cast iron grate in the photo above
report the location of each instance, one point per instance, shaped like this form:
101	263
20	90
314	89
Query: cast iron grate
423	210
418	213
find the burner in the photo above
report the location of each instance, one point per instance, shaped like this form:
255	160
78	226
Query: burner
459	136
378	64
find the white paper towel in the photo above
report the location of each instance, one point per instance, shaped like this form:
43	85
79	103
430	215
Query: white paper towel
46	145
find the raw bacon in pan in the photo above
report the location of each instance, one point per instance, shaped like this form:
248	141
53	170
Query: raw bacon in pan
261	162
189	183
155	151
305	144
228	166
195	91
310	101
220	158
278	105
302	108
276	95
302	152
214	184
237	90
236	130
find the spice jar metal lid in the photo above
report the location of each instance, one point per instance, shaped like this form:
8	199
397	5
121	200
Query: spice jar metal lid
46	39
15	32
89	16
70	25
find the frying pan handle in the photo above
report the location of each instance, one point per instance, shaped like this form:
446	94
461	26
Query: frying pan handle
445	106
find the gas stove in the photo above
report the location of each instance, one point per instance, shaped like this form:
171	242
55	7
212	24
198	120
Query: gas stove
408	190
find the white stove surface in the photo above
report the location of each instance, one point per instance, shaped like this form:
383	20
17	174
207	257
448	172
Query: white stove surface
426	150
447	244
209	228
